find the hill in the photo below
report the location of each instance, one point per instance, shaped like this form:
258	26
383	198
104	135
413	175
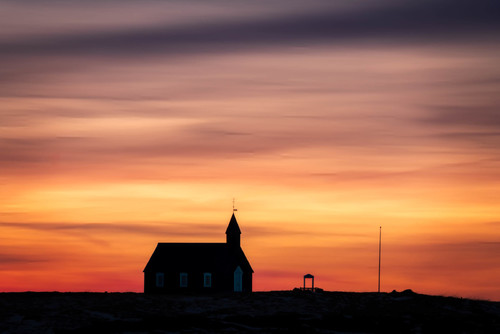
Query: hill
259	312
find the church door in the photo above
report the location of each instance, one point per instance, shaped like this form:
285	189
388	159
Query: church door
238	280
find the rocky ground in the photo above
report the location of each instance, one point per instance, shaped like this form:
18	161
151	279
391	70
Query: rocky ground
260	312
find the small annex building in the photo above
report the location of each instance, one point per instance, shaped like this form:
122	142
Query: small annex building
200	267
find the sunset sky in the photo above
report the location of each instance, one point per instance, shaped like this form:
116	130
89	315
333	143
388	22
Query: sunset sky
127	123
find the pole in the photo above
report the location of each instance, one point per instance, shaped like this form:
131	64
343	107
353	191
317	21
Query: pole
379	255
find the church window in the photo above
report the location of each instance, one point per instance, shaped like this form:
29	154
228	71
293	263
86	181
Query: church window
160	280
183	280
207	280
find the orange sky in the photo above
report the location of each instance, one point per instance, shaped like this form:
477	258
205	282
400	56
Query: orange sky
123	126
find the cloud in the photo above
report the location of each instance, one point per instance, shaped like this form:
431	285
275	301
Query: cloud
408	22
33	150
447	257
255	231
9	258
30	257
475	124
478	140
167	229
473	116
210	139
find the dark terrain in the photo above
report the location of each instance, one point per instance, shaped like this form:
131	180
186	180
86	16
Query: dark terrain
259	312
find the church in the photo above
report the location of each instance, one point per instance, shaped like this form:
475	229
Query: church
200	267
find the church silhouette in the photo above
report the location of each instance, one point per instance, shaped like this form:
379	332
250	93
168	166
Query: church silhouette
200	267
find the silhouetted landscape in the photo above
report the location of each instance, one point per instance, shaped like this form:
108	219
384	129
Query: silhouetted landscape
259	312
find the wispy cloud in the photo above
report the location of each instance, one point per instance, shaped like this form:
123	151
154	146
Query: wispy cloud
473	117
9	258
167	229
448	257
424	21
256	231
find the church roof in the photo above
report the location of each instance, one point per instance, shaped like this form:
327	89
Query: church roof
195	256
233	226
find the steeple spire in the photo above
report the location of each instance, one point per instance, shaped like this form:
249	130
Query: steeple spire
233	232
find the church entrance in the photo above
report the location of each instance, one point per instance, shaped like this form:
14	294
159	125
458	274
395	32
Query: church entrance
238	280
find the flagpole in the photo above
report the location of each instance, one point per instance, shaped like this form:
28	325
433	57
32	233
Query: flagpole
379	255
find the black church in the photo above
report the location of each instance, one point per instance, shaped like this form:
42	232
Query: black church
200	267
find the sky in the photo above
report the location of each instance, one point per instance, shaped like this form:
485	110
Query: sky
128	123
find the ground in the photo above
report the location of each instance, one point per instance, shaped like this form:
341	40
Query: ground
260	312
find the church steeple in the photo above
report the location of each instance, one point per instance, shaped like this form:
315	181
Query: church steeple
233	233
